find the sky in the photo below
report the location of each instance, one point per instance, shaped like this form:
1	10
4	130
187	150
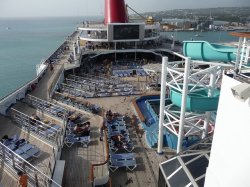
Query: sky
51	8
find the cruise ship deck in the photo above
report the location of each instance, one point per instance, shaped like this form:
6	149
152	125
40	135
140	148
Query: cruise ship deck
79	160
77	124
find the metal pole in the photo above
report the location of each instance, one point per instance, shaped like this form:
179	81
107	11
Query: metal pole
162	103
135	50
210	94
243	53
115	51
183	104
238	54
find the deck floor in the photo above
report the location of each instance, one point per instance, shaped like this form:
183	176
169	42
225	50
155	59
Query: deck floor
146	173
79	159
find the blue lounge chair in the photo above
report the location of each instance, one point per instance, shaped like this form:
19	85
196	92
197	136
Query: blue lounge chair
122	156
28	151
130	164
54	129
127	146
72	139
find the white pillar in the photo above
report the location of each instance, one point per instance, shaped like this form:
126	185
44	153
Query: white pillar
243	53
162	103
210	94
183	104
238	54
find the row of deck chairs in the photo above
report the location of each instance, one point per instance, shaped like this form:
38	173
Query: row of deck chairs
22	147
120	153
127	74
71	138
100	88
122	160
80	105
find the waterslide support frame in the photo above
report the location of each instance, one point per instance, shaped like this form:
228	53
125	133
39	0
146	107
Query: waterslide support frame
238	55
183	105
193	123
162	103
243	53
210	94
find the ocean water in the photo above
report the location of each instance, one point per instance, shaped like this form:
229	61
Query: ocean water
210	36
25	42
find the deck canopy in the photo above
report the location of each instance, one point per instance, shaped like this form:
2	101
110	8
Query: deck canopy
187	168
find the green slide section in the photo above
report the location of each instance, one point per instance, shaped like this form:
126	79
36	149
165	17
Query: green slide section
202	50
198	102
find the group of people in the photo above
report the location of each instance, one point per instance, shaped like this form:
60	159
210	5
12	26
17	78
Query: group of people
82	129
110	115
119	141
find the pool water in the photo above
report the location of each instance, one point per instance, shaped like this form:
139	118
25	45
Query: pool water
149	107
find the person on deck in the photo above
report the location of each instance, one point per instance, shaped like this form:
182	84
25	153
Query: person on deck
23	179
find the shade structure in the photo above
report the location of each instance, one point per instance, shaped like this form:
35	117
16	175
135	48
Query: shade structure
187	168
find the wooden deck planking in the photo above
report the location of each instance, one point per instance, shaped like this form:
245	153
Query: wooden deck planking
79	159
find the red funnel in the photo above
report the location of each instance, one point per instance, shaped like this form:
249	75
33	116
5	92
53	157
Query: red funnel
115	11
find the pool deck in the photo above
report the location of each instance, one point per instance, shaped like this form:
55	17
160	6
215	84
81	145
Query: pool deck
78	158
146	173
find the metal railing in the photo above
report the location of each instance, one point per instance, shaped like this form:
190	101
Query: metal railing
13	163
47	107
38	128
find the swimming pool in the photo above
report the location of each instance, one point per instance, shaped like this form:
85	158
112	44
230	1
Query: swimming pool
148	107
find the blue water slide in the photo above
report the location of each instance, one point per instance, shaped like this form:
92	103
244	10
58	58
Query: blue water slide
198	101
202	50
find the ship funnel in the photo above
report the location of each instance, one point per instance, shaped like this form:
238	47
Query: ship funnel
115	11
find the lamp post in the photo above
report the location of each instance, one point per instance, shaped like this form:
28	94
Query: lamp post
172	45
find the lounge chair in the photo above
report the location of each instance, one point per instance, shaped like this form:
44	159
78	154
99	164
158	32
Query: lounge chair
122	156
72	139
118	130
124	137
28	151
127	146
53	130
129	163
16	143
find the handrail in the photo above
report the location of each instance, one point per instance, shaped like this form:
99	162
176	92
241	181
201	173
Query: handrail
23	161
30	99
102	163
53	141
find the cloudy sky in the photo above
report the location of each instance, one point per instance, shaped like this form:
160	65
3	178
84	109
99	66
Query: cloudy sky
41	8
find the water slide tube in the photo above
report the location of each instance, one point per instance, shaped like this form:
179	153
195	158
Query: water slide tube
198	101
202	50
